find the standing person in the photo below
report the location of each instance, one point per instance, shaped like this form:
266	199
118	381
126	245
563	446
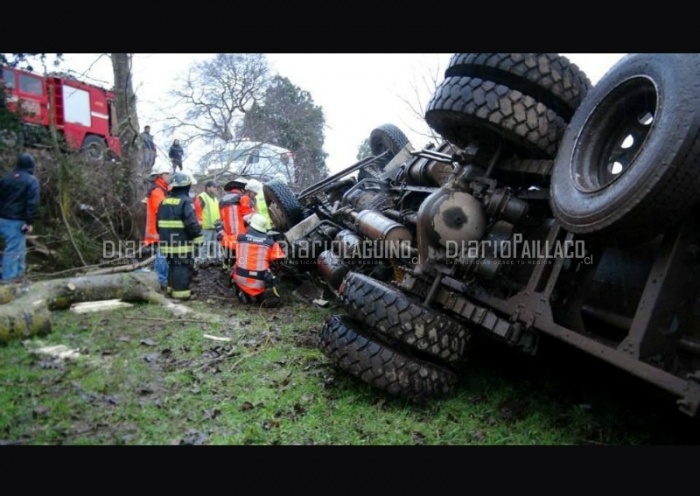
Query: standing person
260	204
149	148
252	274
207	209
176	153
158	189
234	206
180	233
19	206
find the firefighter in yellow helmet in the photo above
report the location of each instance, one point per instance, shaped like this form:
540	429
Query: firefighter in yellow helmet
256	251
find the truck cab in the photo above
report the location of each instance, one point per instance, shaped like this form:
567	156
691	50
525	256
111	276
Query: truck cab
84	115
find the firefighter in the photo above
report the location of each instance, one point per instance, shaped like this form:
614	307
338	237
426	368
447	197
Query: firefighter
207	210
180	235
260	203
236	204
256	252
157	190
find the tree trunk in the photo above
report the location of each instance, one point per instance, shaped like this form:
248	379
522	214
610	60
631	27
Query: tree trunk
131	183
26	309
126	104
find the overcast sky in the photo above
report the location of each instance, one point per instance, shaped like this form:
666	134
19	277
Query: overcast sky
357	92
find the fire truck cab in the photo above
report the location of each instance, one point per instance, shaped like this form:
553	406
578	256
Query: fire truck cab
83	114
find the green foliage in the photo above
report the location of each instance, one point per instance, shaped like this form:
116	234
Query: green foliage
288	117
25	60
81	206
364	150
145	377
10	127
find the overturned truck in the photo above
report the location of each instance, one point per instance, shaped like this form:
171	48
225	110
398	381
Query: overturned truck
551	207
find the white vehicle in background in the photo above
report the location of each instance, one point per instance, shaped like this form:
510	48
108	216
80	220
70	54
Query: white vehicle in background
247	158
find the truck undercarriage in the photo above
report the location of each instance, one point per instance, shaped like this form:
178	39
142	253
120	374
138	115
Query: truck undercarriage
551	207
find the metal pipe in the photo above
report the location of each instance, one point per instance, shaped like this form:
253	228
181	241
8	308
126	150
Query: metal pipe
690	344
392	214
320	185
608	317
433	289
492	163
429	154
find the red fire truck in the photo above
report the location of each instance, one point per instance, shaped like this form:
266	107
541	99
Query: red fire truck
83	114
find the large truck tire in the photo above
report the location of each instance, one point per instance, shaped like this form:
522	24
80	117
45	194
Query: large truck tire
466	109
386	137
629	163
547	77
285	210
393	314
93	149
359	352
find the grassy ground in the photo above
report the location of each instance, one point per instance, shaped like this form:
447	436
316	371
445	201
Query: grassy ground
145	377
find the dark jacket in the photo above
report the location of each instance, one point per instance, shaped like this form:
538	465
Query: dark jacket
178	228
176	152
148	141
19	192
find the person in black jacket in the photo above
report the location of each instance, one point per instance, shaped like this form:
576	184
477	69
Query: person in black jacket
176	153
179	235
19	206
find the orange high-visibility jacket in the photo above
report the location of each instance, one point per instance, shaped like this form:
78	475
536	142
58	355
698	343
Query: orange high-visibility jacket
232	208
155	196
255	252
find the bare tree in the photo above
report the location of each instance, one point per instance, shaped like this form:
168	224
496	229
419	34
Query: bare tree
424	84
216	95
128	182
126	103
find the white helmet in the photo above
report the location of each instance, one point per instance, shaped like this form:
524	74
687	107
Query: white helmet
258	222
254	185
161	168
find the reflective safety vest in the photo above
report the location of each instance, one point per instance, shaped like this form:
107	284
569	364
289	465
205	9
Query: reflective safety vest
178	227
155	196
207	210
261	208
255	251
232	208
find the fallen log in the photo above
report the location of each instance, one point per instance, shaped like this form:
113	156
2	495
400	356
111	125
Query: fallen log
122	268
26	308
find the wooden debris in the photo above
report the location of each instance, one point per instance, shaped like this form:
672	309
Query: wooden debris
216	338
99	306
59	351
25	310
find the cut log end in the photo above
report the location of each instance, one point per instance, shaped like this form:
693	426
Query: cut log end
25	310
